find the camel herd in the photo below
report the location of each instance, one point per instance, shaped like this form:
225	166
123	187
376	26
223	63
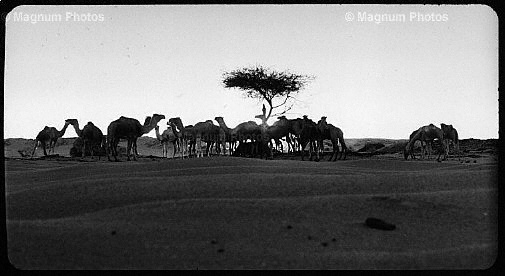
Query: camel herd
246	139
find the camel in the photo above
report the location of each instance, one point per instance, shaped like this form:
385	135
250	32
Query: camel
277	131
163	140
51	135
91	136
426	134
173	137
246	130
226	133
425	146
209	133
309	135
333	133
296	126
184	135
290	138
451	136
129	129
169	135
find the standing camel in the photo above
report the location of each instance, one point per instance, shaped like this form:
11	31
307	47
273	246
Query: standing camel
129	129
247	131
91	136
185	136
163	138
209	133
226	131
296	126
426	134
333	133
277	131
309	135
51	135
451	136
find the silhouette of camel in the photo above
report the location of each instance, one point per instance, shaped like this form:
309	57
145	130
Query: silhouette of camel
333	133
91	136
163	138
226	133
247	131
49	135
425	145
309	135
426	134
129	129
185	136
209	133
451	136
276	132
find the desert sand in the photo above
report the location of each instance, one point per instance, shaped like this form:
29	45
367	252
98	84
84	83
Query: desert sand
242	213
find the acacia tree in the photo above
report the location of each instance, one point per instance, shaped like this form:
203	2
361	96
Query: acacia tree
275	88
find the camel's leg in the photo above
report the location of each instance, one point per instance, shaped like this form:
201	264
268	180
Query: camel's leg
35	147
83	148
44	148
344	149
128	148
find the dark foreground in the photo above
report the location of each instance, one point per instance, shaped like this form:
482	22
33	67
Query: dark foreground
237	213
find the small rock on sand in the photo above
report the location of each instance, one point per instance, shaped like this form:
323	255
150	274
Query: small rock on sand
379	224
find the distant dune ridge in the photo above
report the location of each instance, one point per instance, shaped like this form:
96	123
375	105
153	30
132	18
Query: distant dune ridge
14	147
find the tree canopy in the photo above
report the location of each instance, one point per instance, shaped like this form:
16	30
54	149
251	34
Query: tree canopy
265	84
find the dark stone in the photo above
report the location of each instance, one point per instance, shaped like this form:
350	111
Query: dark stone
289	227
220	250
113	233
379	224
324	244
213	241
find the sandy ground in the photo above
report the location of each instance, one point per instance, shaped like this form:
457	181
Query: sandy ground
238	213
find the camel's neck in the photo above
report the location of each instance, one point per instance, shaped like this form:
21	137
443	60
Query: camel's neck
180	126
147	129
223	125
174	129
77	130
62	131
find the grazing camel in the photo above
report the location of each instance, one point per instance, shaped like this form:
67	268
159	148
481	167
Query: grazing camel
91	136
426	134
451	136
226	133
129	129
51	135
309	135
425	146
333	133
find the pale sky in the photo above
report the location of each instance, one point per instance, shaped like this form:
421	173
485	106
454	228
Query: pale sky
373	78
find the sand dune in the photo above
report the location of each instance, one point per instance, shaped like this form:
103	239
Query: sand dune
232	213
